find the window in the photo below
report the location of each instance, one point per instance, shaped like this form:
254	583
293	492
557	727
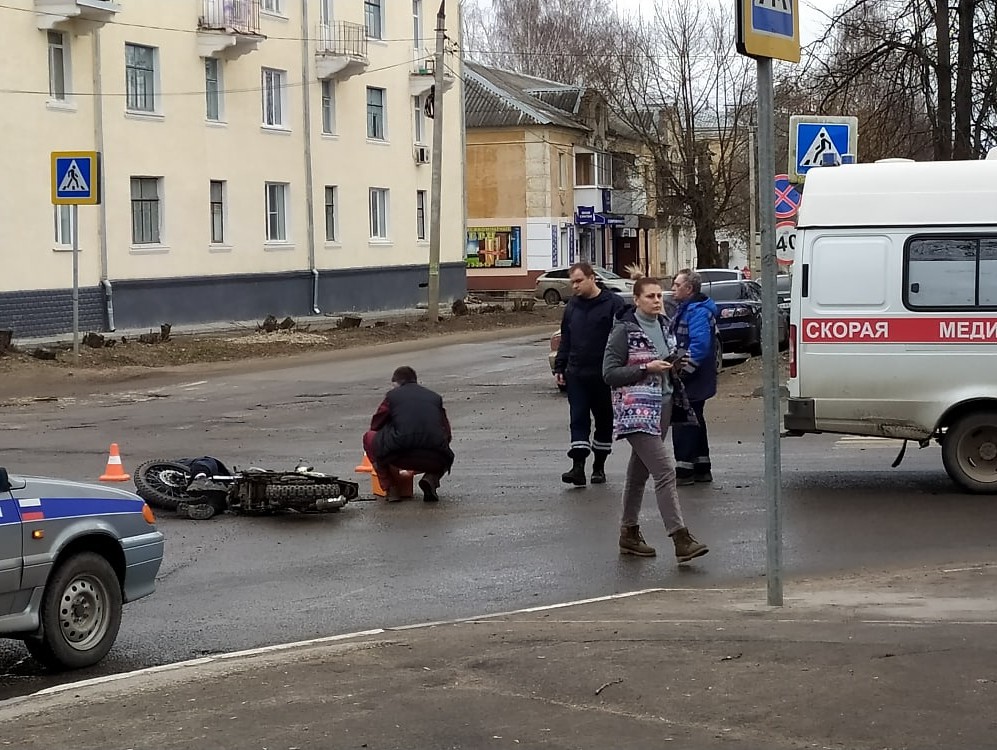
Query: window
373	18
140	78
417	23
593	170
213	88
584	169
330	213
375	113
378	213
64	225
328	107
146	214
420	214
277	204
418	120
951	272
274	98
216	198
58	58
272	6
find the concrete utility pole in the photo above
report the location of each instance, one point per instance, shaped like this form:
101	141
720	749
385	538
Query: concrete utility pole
433	306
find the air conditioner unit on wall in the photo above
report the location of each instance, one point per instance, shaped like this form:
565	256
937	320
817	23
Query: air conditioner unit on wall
422	155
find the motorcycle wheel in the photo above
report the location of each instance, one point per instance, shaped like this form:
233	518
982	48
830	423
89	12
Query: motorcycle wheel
162	483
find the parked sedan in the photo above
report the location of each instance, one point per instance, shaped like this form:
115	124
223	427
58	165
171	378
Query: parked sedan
554	286
70	555
739	316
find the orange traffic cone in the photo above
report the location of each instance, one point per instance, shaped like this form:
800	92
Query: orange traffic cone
365	466
114	471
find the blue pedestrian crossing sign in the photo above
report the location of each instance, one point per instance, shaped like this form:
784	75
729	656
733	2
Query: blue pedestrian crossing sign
769	28
818	140
75	178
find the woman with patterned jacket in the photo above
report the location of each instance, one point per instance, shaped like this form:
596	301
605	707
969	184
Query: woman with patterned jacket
647	399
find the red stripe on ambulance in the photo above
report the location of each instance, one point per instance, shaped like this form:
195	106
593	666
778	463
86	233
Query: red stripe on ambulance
919	330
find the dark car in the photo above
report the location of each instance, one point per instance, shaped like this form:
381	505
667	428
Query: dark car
739	316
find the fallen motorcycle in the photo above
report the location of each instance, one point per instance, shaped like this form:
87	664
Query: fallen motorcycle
200	488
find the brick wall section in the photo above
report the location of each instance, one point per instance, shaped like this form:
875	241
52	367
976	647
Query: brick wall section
48	312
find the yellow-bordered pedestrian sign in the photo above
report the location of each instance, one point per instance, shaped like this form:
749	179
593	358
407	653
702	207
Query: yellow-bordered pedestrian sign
769	28
75	178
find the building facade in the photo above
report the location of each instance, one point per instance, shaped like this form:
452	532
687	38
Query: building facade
258	157
551	182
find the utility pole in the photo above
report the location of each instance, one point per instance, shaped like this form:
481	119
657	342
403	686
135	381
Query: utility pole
433	306
754	246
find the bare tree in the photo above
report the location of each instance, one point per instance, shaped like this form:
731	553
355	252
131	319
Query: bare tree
675	82
553	39
897	59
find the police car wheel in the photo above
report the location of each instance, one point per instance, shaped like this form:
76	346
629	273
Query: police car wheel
80	614
969	452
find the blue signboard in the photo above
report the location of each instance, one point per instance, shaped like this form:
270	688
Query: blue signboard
815	141
769	28
75	178
585	215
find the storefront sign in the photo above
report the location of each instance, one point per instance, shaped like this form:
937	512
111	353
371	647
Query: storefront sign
493	247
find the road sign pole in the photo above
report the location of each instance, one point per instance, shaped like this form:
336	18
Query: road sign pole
76	281
770	331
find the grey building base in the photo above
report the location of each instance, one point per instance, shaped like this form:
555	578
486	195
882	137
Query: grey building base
147	303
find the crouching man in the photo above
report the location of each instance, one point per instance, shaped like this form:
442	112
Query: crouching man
409	432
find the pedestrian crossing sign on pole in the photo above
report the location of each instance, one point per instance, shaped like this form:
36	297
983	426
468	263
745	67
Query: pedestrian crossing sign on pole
816	140
769	28
75	178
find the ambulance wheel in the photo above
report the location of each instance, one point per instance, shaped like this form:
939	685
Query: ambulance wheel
80	614
969	452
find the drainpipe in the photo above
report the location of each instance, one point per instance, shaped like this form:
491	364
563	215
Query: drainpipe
463	137
98	137
306	98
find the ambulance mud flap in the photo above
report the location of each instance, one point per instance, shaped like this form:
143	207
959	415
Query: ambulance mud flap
900	456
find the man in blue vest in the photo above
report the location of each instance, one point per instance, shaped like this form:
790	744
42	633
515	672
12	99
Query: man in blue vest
695	328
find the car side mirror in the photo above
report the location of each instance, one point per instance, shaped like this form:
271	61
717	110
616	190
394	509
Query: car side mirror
4	480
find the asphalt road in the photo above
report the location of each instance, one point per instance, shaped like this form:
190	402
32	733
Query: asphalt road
507	533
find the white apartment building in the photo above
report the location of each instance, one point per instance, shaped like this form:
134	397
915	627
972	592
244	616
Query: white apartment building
259	156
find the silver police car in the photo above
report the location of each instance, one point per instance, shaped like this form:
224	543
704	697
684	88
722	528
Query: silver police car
70	555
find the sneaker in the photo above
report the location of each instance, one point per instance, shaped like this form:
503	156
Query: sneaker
684	481
686	546
632	542
428	491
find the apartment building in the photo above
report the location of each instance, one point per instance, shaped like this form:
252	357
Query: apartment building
258	156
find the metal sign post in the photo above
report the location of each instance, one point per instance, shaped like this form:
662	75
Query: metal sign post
769	29
75	182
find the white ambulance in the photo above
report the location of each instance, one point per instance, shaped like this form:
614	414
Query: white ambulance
894	309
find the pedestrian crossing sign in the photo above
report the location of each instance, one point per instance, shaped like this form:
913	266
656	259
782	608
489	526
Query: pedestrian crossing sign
815	140
75	178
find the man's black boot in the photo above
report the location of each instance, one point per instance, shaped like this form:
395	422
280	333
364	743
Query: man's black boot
577	474
599	469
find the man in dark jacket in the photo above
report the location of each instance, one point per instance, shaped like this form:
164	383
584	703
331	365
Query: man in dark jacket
695	328
585	326
409	432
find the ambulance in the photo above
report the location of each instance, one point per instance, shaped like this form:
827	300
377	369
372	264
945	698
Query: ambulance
893	319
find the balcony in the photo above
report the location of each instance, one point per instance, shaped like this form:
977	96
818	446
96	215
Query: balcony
423	73
228	28
79	15
341	50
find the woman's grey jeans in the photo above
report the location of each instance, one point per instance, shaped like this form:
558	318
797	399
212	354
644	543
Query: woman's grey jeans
651	455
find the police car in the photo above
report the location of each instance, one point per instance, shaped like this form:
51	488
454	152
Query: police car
70	555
